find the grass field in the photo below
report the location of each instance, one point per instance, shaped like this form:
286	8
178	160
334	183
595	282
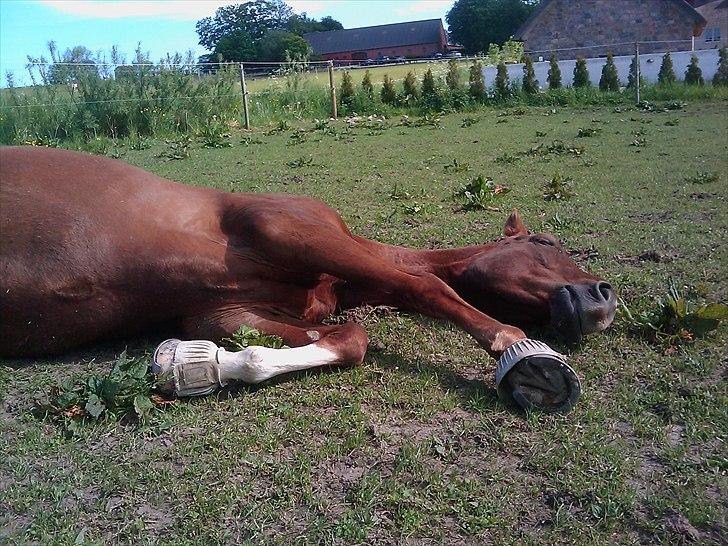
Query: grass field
414	447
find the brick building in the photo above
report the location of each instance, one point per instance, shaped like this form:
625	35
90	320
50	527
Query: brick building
580	27
715	12
412	39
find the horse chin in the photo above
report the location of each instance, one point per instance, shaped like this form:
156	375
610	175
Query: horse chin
565	315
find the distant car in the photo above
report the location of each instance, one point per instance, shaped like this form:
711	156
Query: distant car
437	56
400	59
454	55
369	62
384	60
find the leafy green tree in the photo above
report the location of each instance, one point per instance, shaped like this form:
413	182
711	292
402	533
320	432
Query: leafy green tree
410	86
388	93
502	83
346	91
721	76
256	18
279	45
476	85
366	84
530	83
302	24
694	75
554	75
609	80
477	23
236	46
65	73
452	79
581	73
667	72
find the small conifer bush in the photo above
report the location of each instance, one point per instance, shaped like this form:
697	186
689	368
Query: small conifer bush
346	92
667	72
609	80
554	76
428	84
410	86
388	93
530	83
721	76
581	73
632	79
694	75
366	85
476	86
502	84
453	76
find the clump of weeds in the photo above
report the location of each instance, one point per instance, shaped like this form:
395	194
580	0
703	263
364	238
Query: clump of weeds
301	162
245	336
673	319
456	167
558	188
480	193
177	149
585	132
125	392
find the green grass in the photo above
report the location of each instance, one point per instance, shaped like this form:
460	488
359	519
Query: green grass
414	445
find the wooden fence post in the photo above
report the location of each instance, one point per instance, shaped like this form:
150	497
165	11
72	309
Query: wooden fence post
334	112
244	90
637	56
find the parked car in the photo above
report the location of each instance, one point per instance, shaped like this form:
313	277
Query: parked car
454	55
400	59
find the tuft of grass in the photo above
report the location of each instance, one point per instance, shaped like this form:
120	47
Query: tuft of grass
703	177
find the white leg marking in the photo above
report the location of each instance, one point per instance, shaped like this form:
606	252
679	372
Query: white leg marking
256	364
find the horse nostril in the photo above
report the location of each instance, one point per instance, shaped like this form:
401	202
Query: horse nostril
605	290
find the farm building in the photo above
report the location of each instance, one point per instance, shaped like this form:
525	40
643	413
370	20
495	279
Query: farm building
591	28
715	13
411	39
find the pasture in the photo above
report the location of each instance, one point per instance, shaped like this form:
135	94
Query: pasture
414	446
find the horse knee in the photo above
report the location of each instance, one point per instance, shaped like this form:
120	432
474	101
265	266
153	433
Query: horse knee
349	341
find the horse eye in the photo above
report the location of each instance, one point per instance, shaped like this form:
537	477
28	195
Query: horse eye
542	241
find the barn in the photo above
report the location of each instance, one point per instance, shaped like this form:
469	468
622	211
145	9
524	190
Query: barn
591	28
411	39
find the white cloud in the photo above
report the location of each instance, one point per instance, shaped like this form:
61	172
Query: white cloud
425	6
169	9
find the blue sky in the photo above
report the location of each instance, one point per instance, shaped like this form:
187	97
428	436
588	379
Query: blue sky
161	26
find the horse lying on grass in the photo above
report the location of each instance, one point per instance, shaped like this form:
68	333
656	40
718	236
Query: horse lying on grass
94	248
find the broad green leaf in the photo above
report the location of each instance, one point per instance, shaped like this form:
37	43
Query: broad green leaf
94	406
715	311
143	405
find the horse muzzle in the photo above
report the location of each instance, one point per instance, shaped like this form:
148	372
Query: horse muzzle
581	309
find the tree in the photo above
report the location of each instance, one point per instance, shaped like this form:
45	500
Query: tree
721	76
366	84
530	83
632	78
279	45
410	86
302	24
609	80
346	91
477	23
693	75
554	76
502	83
667	72
84	64
388	92
581	73
256	18
429	90
236	46
453	76
476	86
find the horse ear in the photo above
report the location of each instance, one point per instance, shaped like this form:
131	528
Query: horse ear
514	225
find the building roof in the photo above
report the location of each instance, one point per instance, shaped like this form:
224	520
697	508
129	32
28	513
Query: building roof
376	37
698	20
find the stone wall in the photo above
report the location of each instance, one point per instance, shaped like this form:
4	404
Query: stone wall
577	24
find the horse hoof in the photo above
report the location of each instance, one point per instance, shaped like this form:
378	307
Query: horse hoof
534	376
187	368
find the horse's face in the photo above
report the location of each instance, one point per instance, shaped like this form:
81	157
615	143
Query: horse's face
530	279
